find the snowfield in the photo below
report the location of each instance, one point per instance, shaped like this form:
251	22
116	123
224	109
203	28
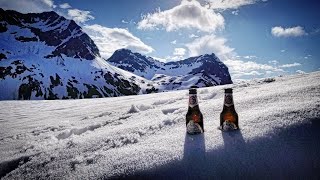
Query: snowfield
144	136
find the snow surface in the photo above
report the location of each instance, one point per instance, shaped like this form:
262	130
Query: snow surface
144	136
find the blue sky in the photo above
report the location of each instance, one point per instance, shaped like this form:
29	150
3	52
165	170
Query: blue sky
255	38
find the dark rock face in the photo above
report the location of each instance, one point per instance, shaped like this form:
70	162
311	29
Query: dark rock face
208	68
32	84
54	30
211	65
125	57
45	56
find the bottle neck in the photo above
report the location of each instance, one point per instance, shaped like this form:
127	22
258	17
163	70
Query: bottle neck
228	100
193	101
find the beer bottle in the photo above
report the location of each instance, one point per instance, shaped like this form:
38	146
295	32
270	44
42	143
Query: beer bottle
194	118
228	116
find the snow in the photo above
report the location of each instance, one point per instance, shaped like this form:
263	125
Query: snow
144	136
168	76
32	54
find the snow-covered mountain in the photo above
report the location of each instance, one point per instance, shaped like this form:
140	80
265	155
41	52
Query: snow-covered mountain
144	137
45	56
202	71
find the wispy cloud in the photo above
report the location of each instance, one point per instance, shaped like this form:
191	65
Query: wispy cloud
238	67
279	31
174	42
273	62
308	56
27	6
189	14
110	39
179	52
250	57
193	36
247	66
235	12
124	21
209	44
229	4
290	65
80	16
300	72
65	6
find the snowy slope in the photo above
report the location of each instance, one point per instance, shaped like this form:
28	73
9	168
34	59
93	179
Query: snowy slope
45	56
144	136
202	71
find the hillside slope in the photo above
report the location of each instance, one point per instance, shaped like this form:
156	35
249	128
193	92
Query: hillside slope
45	56
144	136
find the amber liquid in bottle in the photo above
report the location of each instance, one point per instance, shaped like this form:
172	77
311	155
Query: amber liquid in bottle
194	117
229	117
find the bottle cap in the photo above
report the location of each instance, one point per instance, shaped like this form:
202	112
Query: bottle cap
193	90
228	90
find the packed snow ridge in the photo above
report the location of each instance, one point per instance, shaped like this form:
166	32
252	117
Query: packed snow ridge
145	136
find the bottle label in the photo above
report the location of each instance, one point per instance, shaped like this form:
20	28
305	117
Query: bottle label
228	126
193	100
228	100
194	128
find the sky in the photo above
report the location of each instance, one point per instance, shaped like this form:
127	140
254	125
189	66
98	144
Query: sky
254	38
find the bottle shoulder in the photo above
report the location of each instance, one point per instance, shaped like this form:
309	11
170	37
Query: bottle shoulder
194	110
229	109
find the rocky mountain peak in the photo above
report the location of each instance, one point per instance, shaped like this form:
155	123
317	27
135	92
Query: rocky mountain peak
46	56
204	70
54	30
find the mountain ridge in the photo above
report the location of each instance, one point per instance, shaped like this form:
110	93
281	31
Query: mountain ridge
46	56
208	69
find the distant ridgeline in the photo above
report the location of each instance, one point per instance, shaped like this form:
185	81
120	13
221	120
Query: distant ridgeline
45	56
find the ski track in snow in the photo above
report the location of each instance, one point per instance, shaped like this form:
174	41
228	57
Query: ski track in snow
144	136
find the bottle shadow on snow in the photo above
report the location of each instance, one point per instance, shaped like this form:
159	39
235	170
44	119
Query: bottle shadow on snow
287	152
194	154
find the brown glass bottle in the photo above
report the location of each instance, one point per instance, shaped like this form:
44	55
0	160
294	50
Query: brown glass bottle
194	117
229	116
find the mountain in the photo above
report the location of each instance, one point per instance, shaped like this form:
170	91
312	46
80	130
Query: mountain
202	71
46	56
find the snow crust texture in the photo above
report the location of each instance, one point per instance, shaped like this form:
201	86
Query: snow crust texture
145	136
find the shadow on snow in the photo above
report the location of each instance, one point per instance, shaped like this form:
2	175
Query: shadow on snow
292	152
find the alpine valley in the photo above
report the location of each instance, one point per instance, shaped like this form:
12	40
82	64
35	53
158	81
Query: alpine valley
46	56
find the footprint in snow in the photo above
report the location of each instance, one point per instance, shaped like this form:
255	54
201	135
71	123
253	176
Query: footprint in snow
138	108
169	110
77	131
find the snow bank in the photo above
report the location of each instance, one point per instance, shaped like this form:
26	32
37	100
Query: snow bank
144	136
